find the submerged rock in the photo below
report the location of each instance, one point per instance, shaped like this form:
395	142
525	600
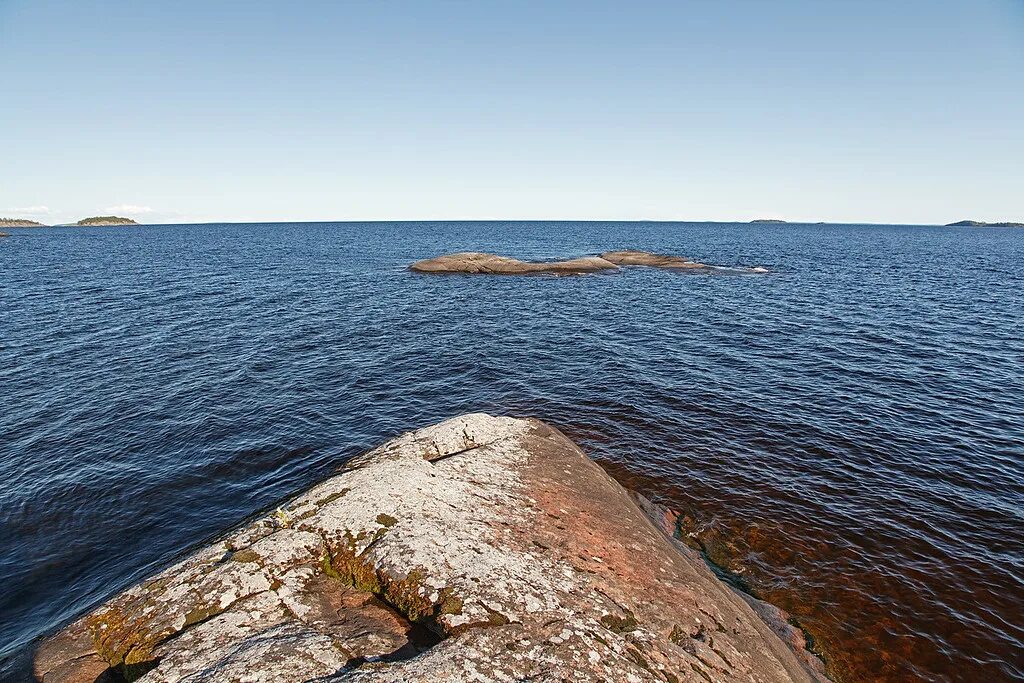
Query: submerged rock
479	549
481	263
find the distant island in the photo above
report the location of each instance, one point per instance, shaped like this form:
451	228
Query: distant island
767	220
983	224
106	220
19	223
91	221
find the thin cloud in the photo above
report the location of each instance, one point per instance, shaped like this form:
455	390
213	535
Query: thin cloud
29	211
128	210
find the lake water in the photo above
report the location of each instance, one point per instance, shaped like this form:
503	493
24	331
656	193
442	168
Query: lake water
845	434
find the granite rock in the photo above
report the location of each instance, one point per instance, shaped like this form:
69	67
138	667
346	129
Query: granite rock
479	549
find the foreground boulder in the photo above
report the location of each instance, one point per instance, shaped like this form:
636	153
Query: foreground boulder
474	262
479	549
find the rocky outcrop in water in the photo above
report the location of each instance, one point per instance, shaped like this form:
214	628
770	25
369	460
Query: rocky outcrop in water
472	262
479	549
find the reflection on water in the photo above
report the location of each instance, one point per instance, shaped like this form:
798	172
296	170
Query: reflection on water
845	432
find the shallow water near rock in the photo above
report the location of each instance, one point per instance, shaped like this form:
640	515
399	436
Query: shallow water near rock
844	432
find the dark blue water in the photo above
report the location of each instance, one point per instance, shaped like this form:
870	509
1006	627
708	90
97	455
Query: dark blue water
846	433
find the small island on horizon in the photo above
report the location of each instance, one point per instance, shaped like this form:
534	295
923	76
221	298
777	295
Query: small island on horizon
768	220
85	222
105	220
19	223
983	224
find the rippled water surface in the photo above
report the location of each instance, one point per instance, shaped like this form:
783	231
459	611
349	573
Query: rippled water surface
846	433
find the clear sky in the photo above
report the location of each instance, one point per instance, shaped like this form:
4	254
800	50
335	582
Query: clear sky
905	111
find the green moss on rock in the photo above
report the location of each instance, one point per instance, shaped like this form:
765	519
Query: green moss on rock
247	555
409	595
619	625
330	498
124	644
386	520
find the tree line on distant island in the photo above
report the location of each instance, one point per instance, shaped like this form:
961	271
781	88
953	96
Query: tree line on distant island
983	224
958	224
92	220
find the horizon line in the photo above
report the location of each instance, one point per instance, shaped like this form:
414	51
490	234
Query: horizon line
760	221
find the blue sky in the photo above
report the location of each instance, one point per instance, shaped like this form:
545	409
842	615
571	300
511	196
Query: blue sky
835	110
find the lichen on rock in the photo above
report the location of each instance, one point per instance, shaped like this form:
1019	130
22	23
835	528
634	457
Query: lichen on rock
479	549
